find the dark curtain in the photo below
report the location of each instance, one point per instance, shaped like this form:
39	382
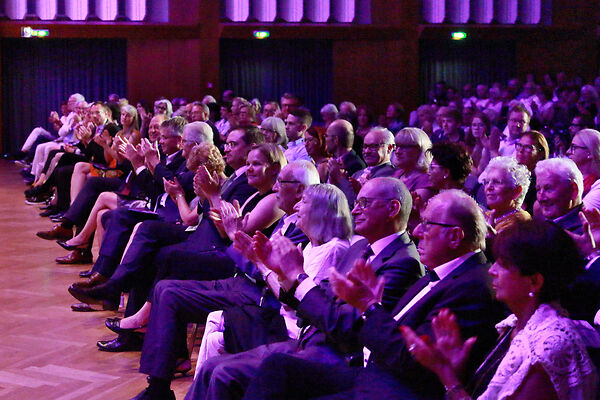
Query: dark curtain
267	68
462	62
38	74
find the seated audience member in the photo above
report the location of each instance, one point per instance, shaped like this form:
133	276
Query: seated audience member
531	148
297	123
364	121
450	166
377	152
517	125
559	185
532	272
270	109
411	158
578	123
274	130
381	213
329	113
316	148
451	130
585	153
345	162
486	142
394	117
289	102
223	124
506	183
452	235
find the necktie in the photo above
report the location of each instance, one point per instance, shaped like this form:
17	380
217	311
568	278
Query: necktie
228	182
433	276
368	253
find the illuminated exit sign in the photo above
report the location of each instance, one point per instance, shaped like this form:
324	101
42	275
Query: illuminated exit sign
29	32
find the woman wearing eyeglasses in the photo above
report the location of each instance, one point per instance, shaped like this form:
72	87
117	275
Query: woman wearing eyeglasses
585	153
531	148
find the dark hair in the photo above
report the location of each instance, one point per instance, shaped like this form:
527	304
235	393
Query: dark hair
453	156
520	109
542	247
319	134
252	135
542	143
454	114
486	121
304	116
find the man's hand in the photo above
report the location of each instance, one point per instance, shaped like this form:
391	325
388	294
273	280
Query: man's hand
84	134
281	256
360	287
336	171
588	240
133	154
151	153
242	242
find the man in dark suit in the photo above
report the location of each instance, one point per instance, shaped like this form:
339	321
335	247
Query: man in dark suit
377	152
339	139
452	235
381	214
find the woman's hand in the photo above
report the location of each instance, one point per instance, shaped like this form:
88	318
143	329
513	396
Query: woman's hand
173	188
231	216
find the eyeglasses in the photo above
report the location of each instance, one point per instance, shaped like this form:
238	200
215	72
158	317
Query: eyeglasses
400	147
517	121
494	182
373	146
525	147
364	202
575	147
280	181
425	224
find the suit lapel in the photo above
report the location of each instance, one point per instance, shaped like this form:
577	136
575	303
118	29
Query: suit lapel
391	249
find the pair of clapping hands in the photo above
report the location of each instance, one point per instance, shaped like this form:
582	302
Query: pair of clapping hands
144	153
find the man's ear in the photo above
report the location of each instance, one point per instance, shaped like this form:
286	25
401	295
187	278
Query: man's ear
456	235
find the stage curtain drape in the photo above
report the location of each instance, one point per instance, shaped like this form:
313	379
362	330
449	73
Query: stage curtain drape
267	68
38	74
462	62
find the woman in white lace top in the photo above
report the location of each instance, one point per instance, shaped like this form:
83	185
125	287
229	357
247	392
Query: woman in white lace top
539	354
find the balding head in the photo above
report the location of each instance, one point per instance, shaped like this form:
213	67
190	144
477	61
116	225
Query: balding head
339	136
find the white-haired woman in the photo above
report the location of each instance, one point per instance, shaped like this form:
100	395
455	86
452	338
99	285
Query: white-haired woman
506	183
274	130
585	152
412	158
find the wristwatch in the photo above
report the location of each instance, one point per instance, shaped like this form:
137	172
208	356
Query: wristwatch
299	279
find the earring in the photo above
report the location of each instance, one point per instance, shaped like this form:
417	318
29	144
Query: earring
531	294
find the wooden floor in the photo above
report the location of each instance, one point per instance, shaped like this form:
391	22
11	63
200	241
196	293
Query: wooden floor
46	350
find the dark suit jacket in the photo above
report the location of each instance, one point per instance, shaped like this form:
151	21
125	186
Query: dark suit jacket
570	221
151	185
93	151
465	292
382	170
352	162
398	263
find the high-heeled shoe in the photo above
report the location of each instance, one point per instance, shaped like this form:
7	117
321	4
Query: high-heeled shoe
114	324
71	247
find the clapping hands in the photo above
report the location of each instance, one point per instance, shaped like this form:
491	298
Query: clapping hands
360	287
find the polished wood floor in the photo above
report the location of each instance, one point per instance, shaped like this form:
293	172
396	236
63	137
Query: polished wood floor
46	350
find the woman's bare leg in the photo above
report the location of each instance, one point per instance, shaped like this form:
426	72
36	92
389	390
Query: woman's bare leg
138	319
106	200
80	174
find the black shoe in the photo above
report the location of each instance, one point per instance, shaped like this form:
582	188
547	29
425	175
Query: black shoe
48	212
114	324
85	273
70	247
58	218
101	294
130	342
147	394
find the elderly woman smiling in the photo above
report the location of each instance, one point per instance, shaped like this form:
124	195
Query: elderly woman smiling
506	183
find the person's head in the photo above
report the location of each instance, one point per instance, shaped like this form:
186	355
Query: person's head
264	162
578	123
323	214
163	106
451	120
480	125
518	121
206	154
247	114
238	144
412	150
289	102
314	142
347	108
395	112
270	109
293	179
378	146
451	225
154	127
99	113
171	133
364	116
80	108
195	133
129	117
531	148
73	100
208	99
114	97
534	262
425	113
228	95
559	186
329	113
297	122
274	130
199	112
450	166
382	207
585	151
339	136
481	91
506	183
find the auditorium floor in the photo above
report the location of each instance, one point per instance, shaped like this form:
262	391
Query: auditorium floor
46	350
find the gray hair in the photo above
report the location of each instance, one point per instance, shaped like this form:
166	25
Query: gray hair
330	109
78	97
462	209
199	132
563	168
304	172
278	126
168	104
329	213
394	189
518	174
208	99
418	137
384	133
591	141
350	105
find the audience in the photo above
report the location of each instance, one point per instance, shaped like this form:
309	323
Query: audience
193	239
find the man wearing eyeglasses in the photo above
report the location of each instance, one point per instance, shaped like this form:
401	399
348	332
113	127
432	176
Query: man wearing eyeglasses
516	126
